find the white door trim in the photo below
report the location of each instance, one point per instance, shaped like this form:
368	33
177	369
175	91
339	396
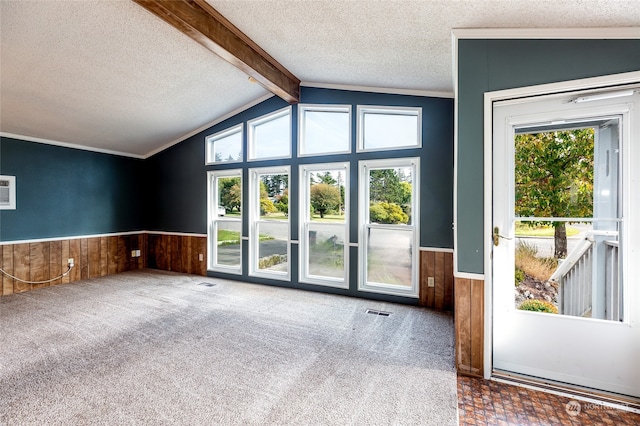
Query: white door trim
586	85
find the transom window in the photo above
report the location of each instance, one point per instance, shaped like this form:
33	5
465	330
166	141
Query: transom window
270	136
225	146
383	128
324	129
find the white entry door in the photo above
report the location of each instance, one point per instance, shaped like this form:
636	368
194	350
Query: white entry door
566	168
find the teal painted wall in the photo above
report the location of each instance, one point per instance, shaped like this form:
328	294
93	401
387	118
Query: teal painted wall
489	65
66	192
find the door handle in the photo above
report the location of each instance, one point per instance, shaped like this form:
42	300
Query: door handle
496	236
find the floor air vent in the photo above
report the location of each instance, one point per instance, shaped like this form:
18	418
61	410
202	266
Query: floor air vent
207	284
381	313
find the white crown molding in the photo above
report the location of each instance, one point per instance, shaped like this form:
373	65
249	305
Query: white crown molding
210	124
68	145
547	33
387	90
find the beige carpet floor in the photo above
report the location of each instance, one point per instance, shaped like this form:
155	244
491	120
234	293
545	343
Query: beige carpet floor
154	348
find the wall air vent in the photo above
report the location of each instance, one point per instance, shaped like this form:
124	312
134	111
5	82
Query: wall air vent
7	192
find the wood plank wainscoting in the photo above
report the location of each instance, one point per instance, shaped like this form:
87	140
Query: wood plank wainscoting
439	266
469	320
98	256
93	257
178	253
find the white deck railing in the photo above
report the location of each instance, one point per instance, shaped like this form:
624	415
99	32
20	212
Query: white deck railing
577	283
613	290
574	278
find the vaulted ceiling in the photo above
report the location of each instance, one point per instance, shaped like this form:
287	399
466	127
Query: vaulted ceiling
111	76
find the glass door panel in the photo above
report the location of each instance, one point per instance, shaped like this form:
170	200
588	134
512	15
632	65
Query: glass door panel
567	220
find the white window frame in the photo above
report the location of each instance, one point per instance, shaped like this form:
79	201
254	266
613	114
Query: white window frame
254	220
212	139
305	220
388	110
252	124
363	218
303	108
213	219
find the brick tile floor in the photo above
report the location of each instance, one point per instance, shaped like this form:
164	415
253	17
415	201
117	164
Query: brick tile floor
485	402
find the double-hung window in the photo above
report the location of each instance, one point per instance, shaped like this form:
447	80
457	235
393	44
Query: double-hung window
324	224
269	232
225	221
389	218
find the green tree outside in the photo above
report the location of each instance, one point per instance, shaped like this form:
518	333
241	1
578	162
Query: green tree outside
230	193
324	197
554	178
389	196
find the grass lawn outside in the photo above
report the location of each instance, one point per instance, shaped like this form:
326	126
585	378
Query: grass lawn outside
226	237
331	218
524	230
275	216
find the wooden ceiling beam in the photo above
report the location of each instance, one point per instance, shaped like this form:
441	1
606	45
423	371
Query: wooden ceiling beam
204	24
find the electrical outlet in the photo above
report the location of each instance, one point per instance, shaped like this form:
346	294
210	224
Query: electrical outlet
201	257
431	282
133	253
137	253
70	262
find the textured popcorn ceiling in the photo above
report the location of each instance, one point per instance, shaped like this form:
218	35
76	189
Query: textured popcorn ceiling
109	75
